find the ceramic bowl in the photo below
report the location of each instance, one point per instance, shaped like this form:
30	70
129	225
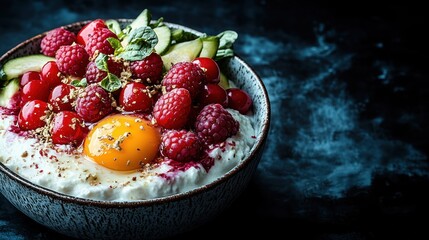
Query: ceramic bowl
145	219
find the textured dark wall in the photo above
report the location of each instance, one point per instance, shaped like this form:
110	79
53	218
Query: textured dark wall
347	154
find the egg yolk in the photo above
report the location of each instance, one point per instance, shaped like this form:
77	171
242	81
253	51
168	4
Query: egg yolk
122	142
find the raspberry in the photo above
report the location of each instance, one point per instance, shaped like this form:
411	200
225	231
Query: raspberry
54	39
214	124
172	109
83	34
180	145
149	70
97	40
185	75
94	103
72	60
94	75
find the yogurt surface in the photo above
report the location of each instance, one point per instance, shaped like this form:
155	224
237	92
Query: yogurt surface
65	170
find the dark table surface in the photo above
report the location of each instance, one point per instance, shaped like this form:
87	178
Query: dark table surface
347	154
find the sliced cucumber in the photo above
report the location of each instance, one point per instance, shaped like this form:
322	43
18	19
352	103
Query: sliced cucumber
114	26
18	66
224	82
182	52
143	19
164	39
210	46
177	34
8	92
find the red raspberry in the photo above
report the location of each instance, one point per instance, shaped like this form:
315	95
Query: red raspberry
67	127
172	109
54	39
94	74
72	60
94	103
83	34
180	145
214	124
97	40
149	70
185	75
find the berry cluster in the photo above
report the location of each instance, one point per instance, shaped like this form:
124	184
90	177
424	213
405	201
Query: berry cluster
186	102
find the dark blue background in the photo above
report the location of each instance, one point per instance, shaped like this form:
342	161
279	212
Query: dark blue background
347	152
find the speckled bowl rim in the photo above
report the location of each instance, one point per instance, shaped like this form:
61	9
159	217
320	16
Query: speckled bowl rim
161	200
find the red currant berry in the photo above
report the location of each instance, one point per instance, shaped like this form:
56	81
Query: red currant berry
28	77
134	97
67	127
62	97
239	100
36	89
32	115
50	74
210	67
213	93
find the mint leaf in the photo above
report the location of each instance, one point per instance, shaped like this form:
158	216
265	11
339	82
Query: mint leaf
111	83
141	43
116	45
134	55
227	39
101	62
223	53
79	83
145	33
226	42
124	32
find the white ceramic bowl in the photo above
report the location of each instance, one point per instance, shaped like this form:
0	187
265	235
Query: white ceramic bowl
145	219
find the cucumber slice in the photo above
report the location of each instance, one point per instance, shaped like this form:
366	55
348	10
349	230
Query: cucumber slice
8	92
177	34
143	19
182	52
114	26
164	39
210	46
18	66
224	82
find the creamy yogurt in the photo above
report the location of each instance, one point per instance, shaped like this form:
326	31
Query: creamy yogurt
67	171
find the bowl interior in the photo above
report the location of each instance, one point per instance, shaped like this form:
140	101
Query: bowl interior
234	68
